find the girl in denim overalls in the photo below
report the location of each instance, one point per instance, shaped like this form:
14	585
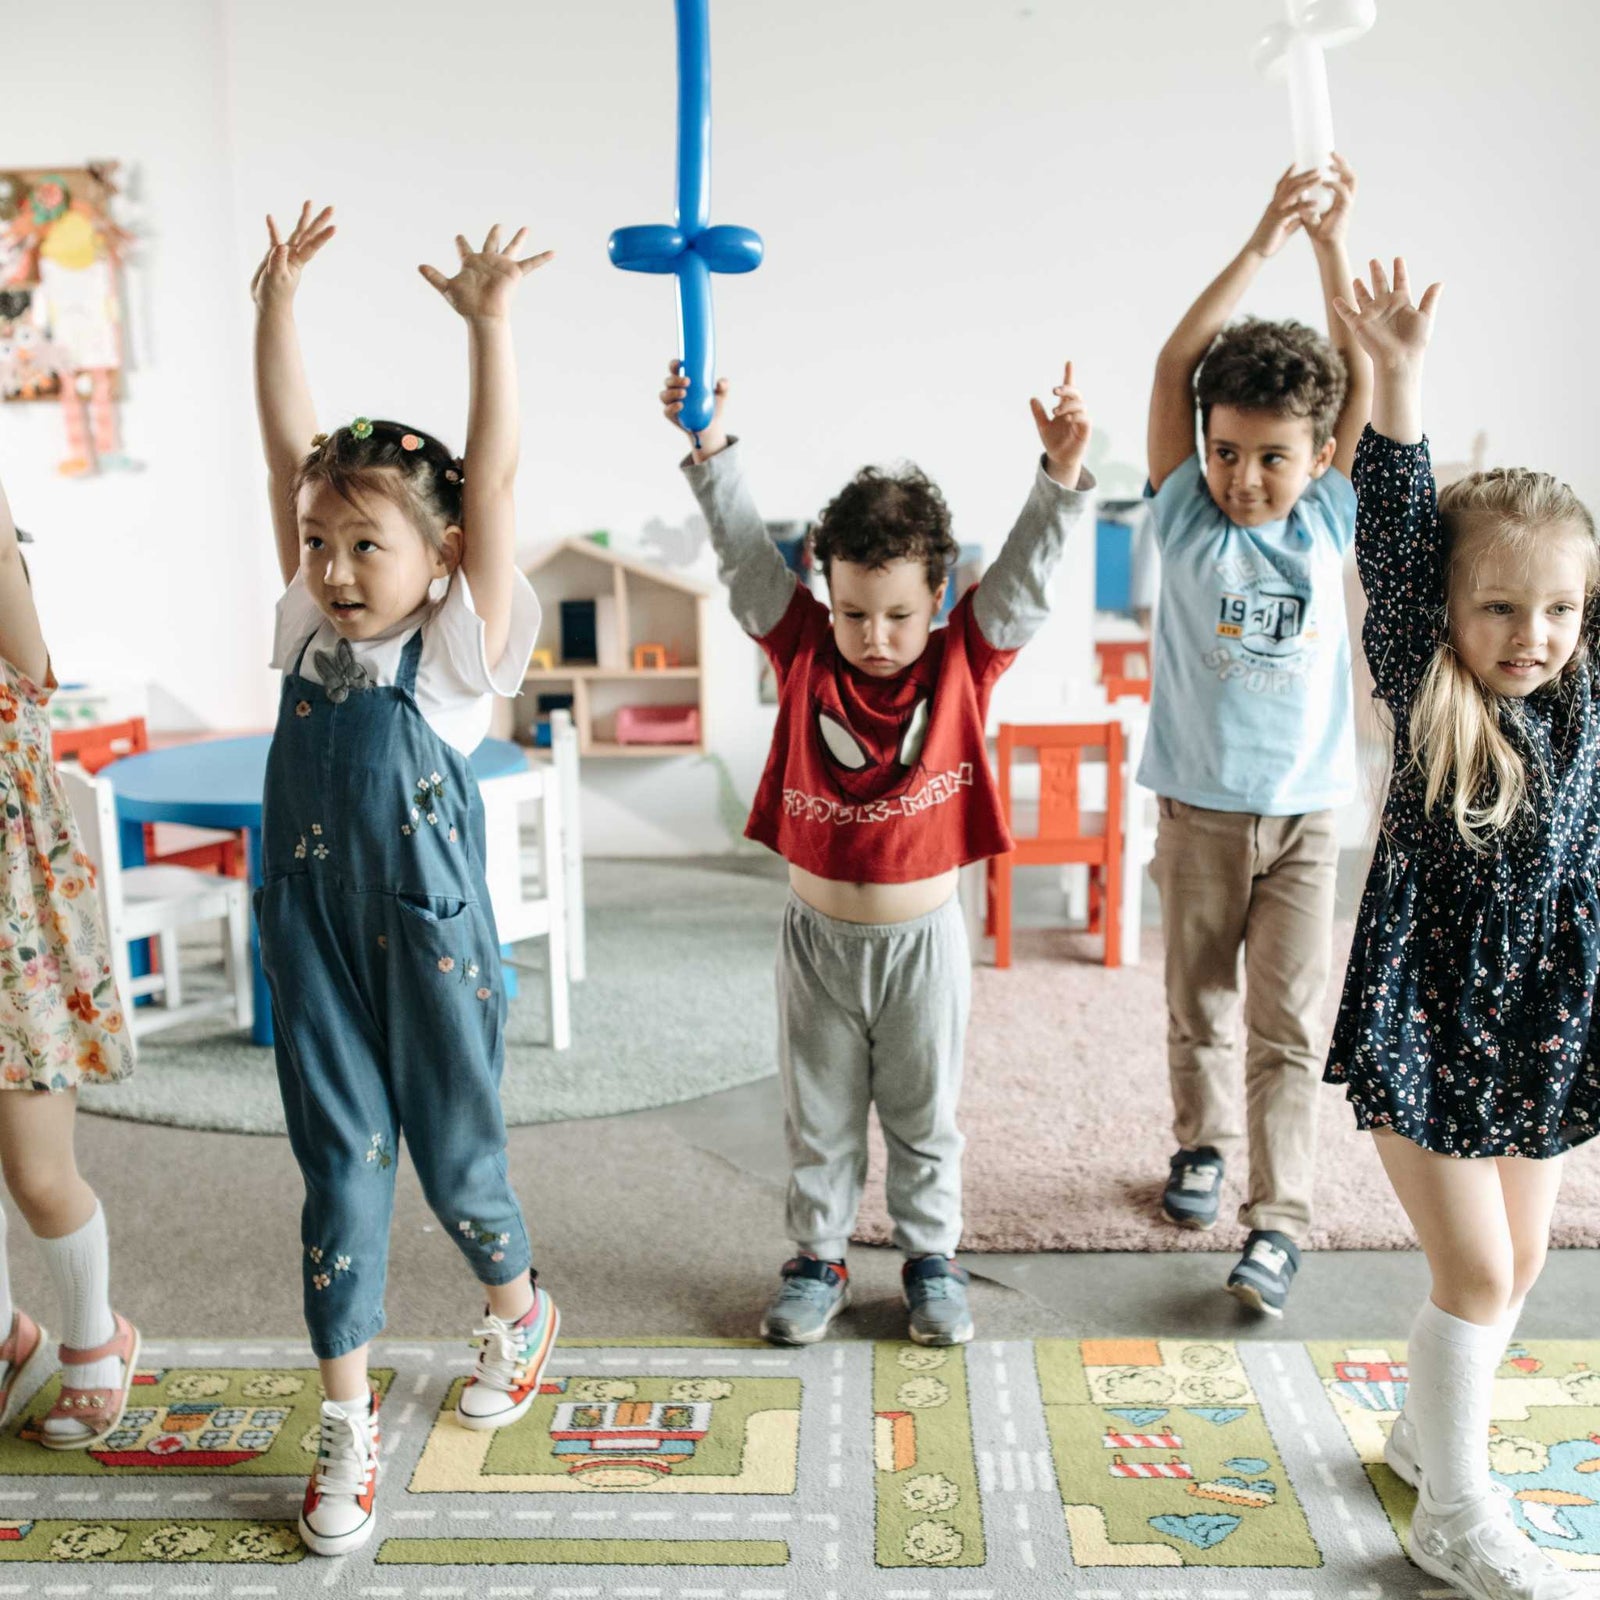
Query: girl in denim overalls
404	615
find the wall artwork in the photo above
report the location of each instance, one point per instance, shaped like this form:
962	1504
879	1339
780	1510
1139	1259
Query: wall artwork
61	333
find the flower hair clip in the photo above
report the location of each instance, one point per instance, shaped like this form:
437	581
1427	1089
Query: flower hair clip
456	473
410	441
361	428
318	440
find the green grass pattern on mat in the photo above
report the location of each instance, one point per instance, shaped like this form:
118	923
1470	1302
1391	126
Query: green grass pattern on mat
1544	1448
930	1513
269	1417
583	1552
1237	1509
186	1541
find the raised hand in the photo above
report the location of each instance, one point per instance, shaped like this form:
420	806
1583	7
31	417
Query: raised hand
714	435
1329	228
278	276
1392	330
1065	431
487	278
1286	211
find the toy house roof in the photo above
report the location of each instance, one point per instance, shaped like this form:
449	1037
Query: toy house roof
610	558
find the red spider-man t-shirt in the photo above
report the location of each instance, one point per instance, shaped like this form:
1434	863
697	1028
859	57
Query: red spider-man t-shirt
880	780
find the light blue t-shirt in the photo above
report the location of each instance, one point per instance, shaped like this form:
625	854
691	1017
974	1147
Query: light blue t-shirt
1250	708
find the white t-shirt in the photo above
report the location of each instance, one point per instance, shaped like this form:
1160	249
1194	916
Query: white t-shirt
456	683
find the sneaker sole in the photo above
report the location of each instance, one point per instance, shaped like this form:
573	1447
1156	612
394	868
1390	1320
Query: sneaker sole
1444	1573
338	1545
1248	1294
504	1419
42	1361
130	1366
794	1339
1199	1224
962	1335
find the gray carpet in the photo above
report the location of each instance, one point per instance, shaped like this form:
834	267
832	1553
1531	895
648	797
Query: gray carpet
677	1004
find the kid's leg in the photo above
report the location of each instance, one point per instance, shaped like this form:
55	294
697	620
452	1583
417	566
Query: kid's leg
1203	867
1287	955
824	1067
919	1029
445	1063
24	1348
1462	1532
1530	1189
41	1173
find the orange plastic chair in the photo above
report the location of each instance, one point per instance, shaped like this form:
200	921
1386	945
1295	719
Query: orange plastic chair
1115	657
1060	839
98	746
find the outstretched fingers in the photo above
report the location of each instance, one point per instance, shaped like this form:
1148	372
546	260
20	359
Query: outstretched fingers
436	278
533	263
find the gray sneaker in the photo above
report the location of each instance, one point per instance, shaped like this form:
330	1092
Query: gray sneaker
814	1292
936	1293
1478	1551
1194	1188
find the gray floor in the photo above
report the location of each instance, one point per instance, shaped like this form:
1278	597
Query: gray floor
670	1222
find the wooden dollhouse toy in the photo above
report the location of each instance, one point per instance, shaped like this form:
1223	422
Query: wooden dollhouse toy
625	640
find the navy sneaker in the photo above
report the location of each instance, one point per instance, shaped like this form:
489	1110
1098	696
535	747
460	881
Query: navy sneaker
1194	1187
814	1292
936	1294
1265	1271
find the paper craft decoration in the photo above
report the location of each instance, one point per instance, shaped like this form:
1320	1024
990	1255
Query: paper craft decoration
61	305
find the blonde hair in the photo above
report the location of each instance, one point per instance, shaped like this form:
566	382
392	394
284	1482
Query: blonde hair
1458	743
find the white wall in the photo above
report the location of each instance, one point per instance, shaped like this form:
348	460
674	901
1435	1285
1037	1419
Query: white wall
955	195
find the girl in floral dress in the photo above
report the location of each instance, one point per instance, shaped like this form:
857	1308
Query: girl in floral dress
1464	1034
61	1024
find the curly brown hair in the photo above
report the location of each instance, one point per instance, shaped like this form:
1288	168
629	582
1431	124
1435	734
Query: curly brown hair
880	516
425	481
1283	367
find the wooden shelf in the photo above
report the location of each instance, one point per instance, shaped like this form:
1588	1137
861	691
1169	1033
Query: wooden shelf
643	674
599	748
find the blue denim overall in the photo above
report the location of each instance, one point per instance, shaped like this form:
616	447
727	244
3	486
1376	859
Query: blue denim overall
379	947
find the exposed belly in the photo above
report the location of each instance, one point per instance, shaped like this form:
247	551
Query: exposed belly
872	902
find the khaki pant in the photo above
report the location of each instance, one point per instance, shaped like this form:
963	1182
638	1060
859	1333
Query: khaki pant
1228	878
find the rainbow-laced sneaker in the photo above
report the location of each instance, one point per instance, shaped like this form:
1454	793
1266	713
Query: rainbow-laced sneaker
512	1357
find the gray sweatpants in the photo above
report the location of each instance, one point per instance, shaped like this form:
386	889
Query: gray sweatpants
870	1014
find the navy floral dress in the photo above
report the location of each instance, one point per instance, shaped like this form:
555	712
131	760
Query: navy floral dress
1464	1024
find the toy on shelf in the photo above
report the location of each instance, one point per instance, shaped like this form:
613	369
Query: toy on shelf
542	661
654	658
658	725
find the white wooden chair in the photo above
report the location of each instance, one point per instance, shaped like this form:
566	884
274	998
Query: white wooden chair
157	903
543	913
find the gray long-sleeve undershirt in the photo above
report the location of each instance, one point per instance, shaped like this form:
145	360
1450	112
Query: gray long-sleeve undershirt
1012	601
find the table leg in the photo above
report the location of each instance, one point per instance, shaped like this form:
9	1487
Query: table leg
131	837
261	1033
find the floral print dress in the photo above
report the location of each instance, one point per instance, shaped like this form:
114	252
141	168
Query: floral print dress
61	1021
1465	1019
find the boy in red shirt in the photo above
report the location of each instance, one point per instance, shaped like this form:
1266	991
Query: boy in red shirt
877	789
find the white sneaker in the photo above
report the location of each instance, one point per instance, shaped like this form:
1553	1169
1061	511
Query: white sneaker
1477	1550
337	1516
1400	1451
512	1357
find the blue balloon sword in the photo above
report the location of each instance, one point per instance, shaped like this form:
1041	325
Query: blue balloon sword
691	249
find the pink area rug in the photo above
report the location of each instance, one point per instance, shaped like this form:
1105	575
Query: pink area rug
1068	1121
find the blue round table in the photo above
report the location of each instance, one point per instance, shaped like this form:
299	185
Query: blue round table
218	783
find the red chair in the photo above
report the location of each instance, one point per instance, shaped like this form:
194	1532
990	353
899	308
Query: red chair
1116	657
1060	839
98	746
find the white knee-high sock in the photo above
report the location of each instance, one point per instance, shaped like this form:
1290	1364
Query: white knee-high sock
1508	1329
79	1264
7	1309
1452	1365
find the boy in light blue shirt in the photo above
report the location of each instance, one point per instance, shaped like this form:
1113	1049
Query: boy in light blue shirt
1251	743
